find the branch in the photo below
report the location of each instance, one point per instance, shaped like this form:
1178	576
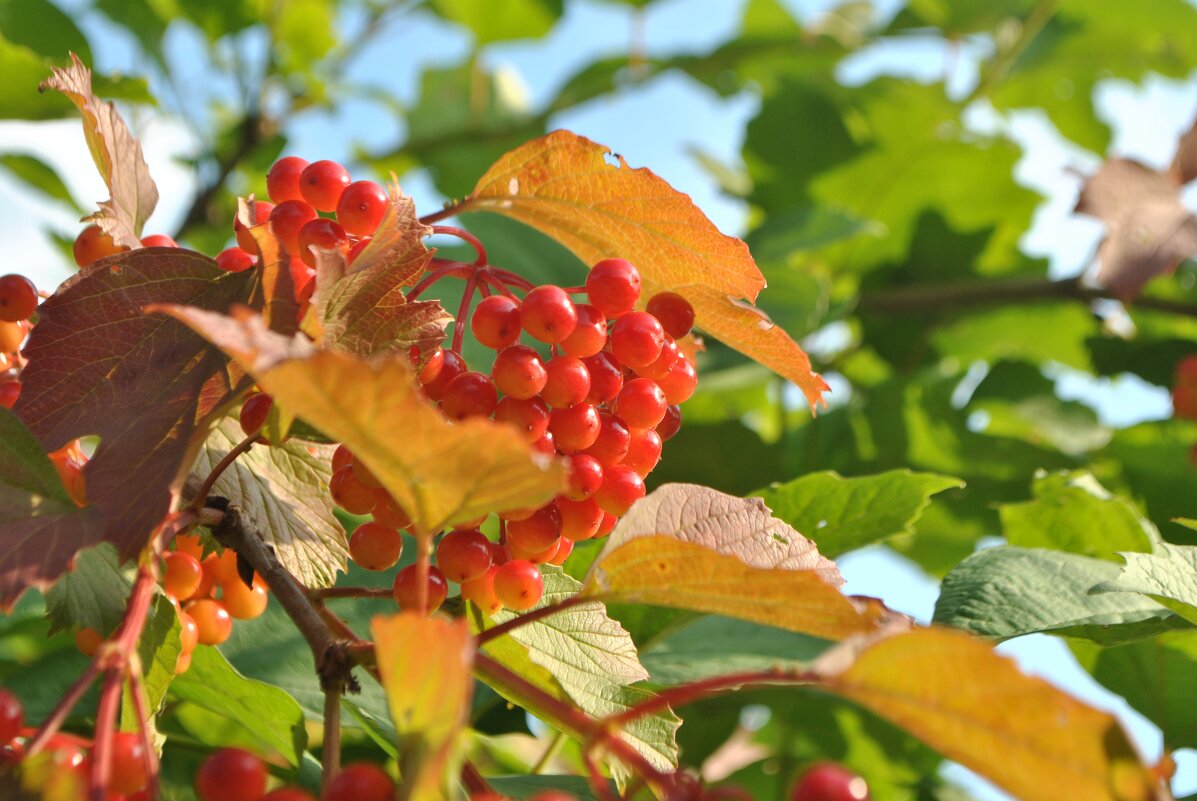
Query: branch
250	134
330	749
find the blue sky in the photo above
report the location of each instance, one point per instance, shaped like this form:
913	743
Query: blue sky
653	125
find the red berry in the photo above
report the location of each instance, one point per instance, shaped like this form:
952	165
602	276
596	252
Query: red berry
463	555
545	444
660	366
530	416
613	286
342	457
574	428
360	781
388	512
231	774
158	241
213	622
11	336
128	763
243	602
589	335
375	547
496	321
671	423
287	219
567	381
612	442
11	390
254	412
584	478
680	383
536	532
235	260
606	378
579	519
827	781
362	207
93	244
88	641
322	183
18	298
407	590
12	715
609	521
675	313
481	592
282	182
454	366
434	360
519	585
183	575
259	212
469	395
644	451
536	557
548	314
641	403
320	233
351	494
288	794
519	372
304	279
357	249
564	549
637	339
1186	370
1184	402
622	486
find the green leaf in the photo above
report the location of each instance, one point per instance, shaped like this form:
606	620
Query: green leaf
1007	592
284	490
1073	512
1016	332
266	714
583	656
304	31
44	28
159	649
1152	460
1155	677
380	731
1169	575
40	175
93	594
791	231
523	787
841	514
713	645
497	22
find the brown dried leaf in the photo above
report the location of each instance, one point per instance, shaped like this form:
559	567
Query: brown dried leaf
117	155
1184	163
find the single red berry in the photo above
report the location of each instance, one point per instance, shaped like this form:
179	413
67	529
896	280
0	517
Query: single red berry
11	390
564	549
579	519
322	183
637	339
360	781
675	313
357	249
362	207
499	554
680	383
259	212
614	439
567	381
282	182
286	220
644	452
375	547
584	477
589	335
519	372
235	260
660	366
496	321
12	715
1186	370
18	298
88	641
231	774
606	378
242	602
93	244
519	585
1184	402
548	314
254	412
364	475
213	622
434	360
407	590
350	494
469	395
545	444
608	524
827	781
622	486
540	557
613	286
463	555
530	416
158	241
641	403
342	457
536	532
183	575
388	512
11	336
481	592
323	234
574	428
453	366
671	423
128	763
304	279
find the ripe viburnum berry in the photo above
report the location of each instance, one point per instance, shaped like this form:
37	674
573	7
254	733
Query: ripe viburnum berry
362	207
613	286
18	298
282	182
519	585
322	183
548	314
231	774
828	781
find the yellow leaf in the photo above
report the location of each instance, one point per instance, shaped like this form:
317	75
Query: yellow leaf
428	690
439	472
974	706
692	547
562	185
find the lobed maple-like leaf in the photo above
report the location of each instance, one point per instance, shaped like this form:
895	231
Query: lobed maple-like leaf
145	384
439	472
428	689
117	155
956	694
692	547
363	310
562	185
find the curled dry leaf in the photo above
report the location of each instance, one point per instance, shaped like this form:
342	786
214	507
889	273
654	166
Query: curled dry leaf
117	155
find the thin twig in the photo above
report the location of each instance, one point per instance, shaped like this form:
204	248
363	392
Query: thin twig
468	238
201	495
137	691
531	617
550	751
326	593
330	750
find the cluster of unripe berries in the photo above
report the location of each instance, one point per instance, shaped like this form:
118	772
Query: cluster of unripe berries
1184	395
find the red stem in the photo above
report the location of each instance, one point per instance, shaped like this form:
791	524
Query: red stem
459	325
444	269
464	236
488	277
531	617
474	782
598	782
101	755
511	279
137	690
695	691
448	211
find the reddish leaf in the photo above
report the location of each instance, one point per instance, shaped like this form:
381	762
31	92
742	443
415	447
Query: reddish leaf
1184	163
562	185
144	384
116	153
41	529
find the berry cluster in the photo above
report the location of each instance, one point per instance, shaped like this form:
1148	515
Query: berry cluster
1184	395
231	774
18	303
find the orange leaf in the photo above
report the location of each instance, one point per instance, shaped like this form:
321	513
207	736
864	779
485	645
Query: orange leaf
974	706
428	690
562	185
274	285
